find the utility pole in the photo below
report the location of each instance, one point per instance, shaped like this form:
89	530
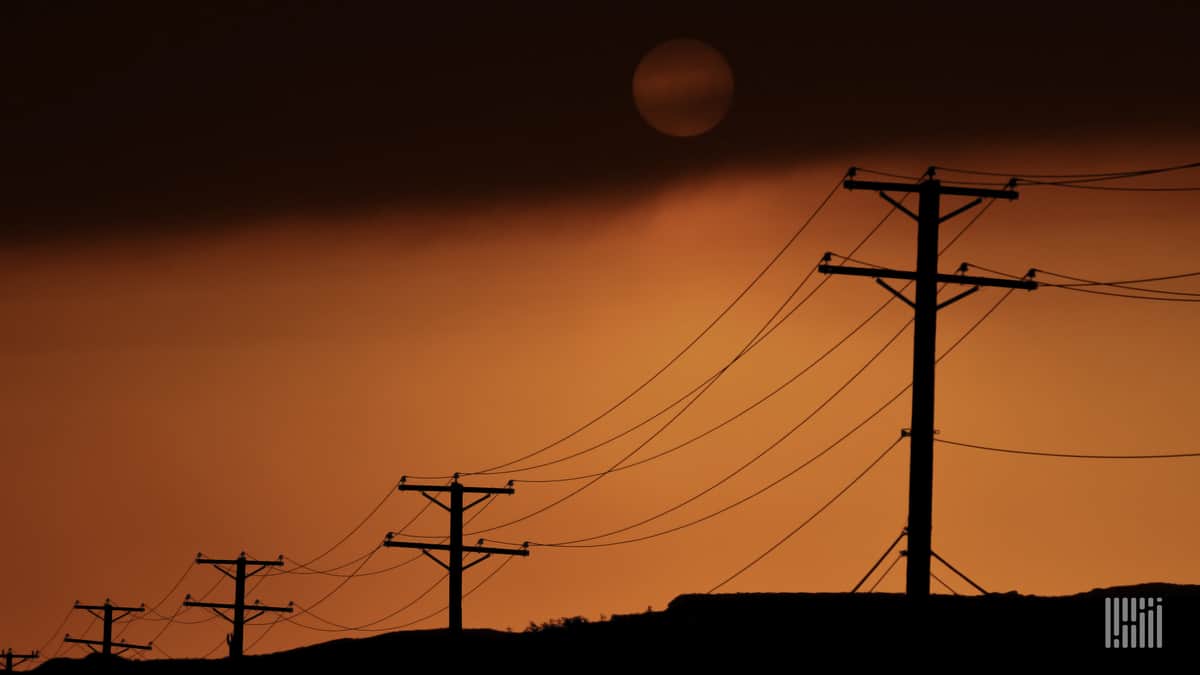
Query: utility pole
9	663
927	278
455	548
237	639
106	645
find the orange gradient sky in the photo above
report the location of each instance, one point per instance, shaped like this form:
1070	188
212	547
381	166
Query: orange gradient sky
261	388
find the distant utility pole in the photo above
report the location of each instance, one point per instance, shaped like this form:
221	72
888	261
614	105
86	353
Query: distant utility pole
455	548
237	639
927	278
106	645
9	663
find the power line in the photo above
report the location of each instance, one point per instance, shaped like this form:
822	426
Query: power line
774	392
944	354
1090	282
1126	284
978	214
1128	296
160	603
943	583
738	298
757	457
364	629
811	518
885	574
212	651
890	548
739	502
1113	188
1079	289
62	624
355	529
953	346
368	627
698	390
1108	174
336	588
1067	455
761	335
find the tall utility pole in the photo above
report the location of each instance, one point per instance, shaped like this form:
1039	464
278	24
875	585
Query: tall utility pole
237	639
9	663
455	548
927	278
106	645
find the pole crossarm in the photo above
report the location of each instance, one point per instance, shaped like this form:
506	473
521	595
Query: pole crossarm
102	643
448	547
229	605
259	563
404	487
12	659
883	186
965	279
114	608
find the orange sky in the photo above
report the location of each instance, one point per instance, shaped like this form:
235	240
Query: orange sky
261	389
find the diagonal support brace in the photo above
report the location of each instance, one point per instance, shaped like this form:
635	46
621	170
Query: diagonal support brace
435	500
965	207
896	293
954	569
960	296
895	204
435	559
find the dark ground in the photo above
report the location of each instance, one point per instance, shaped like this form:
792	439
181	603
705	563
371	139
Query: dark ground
785	629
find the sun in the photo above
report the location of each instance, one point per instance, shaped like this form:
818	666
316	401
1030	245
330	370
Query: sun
683	87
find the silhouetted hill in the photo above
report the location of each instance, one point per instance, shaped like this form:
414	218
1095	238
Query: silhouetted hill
757	627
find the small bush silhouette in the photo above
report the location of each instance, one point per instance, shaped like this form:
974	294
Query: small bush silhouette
561	623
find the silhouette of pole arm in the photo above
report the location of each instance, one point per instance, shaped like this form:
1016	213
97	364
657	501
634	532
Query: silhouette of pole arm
965	279
115	608
466	489
12	660
452	488
108	616
200	559
106	647
489	550
884	186
258	606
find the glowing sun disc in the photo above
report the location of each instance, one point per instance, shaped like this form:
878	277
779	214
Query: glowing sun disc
683	87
